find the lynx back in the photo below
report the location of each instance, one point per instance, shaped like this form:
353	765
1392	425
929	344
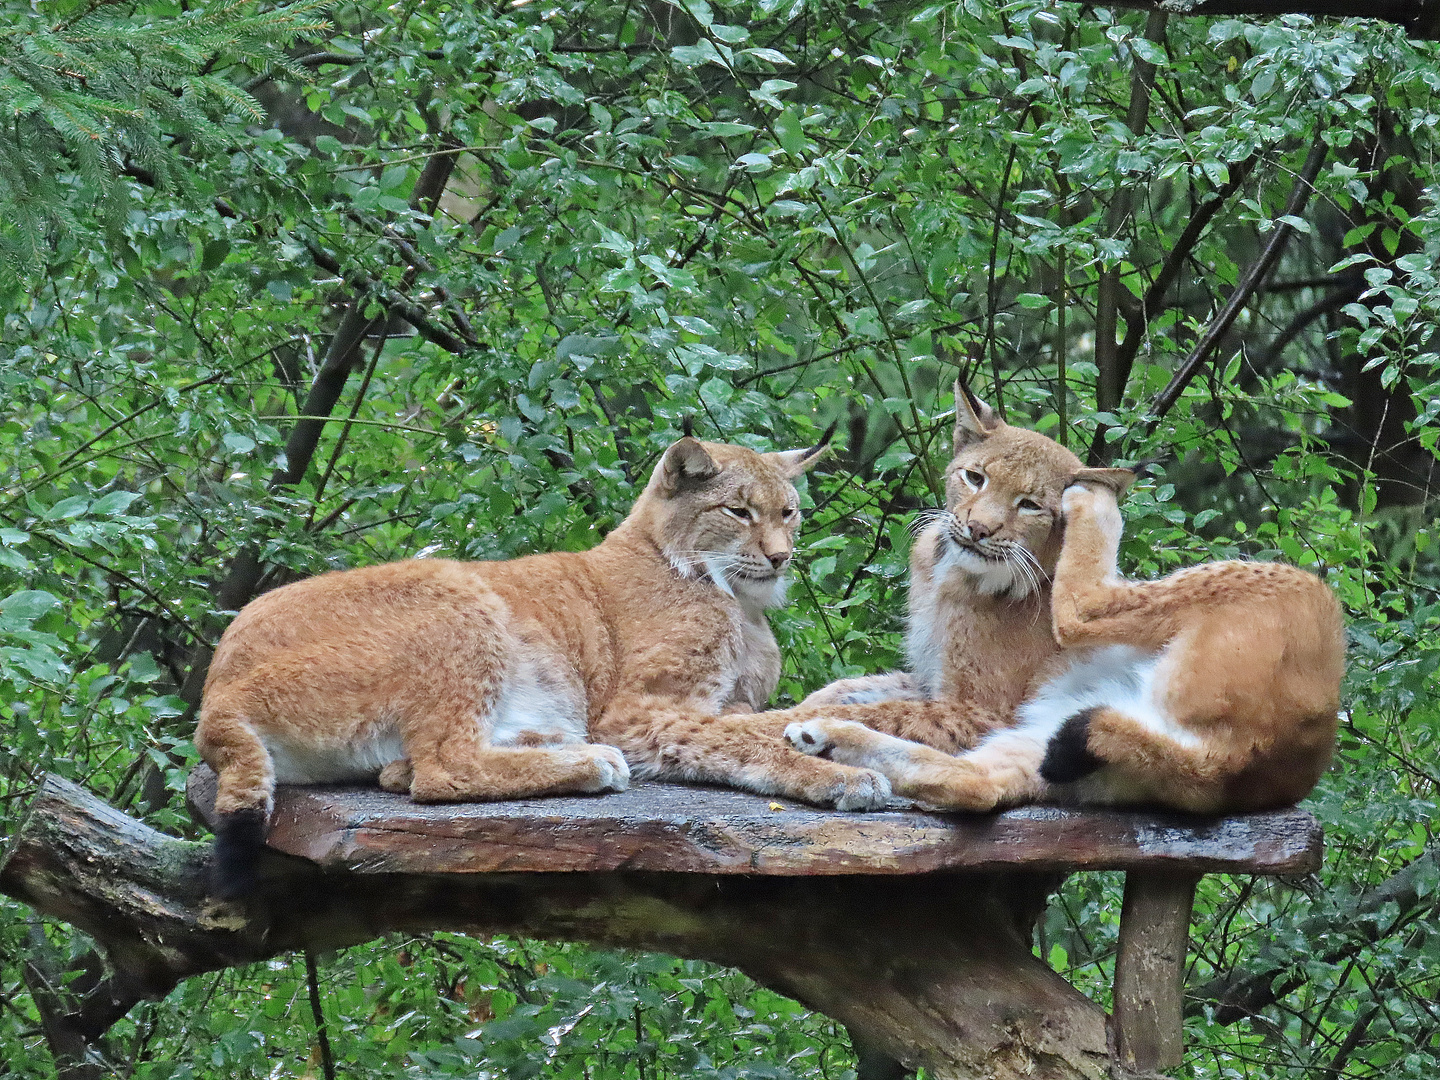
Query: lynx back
476	681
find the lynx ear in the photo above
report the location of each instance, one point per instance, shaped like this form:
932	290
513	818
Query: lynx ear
974	420
1117	480
795	462
686	464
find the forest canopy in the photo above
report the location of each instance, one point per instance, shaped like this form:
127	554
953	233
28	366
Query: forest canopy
301	287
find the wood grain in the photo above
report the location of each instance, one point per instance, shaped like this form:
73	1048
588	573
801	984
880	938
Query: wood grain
1150	970
673	829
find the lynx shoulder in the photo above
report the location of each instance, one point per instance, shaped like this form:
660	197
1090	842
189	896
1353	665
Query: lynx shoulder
1214	689
552	673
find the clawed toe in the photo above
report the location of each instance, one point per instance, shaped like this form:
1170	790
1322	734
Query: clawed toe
866	790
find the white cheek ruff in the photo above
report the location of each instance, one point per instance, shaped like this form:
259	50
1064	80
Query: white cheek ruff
715	567
759	595
990	577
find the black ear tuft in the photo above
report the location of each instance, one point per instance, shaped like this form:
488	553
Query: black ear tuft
1068	757
687	427
825	439
235	860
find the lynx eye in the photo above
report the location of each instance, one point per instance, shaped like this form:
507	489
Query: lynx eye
1028	504
975	479
739	513
791	513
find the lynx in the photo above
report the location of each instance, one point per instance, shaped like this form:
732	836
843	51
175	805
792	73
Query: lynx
1212	690
477	681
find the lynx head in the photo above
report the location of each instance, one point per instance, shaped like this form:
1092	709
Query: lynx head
728	514
1001	526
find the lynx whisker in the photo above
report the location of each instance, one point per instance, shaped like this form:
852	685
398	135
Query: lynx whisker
925	517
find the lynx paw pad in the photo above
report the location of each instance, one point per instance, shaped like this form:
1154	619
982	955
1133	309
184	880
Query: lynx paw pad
613	774
810	737
865	790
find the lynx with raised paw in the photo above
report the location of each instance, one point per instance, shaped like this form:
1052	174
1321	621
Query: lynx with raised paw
1214	689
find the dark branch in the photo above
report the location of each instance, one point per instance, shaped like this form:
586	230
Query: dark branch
1254	277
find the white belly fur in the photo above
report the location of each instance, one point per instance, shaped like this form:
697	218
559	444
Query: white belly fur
333	762
1124	678
536	706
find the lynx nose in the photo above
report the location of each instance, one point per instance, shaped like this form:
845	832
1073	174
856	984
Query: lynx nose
779	559
977	530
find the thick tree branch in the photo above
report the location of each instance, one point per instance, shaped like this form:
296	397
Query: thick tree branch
1137	320
935	970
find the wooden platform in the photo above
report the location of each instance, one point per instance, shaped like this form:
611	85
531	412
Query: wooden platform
913	929
669	828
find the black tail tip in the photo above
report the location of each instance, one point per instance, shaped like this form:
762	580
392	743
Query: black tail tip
235	861
1068	757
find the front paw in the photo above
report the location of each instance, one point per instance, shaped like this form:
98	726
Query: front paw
612	772
810	737
860	789
1079	497
397	776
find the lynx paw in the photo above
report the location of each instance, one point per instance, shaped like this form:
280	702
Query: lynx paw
809	737
860	789
844	741
612	772
397	776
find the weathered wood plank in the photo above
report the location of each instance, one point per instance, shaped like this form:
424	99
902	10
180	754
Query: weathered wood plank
669	828
1150	969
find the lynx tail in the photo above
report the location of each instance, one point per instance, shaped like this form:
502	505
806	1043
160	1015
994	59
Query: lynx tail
1068	756
235	861
243	797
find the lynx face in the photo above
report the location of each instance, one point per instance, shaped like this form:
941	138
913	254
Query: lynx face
730	514
1001	523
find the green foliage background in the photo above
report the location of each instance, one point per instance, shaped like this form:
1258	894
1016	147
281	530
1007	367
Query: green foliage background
767	215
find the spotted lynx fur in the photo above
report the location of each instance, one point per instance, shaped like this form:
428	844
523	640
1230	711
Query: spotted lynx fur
553	673
1214	689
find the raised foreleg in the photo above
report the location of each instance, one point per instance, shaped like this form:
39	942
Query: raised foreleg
1091	603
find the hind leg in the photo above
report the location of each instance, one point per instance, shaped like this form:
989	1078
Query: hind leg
1002	770
450	760
1143	765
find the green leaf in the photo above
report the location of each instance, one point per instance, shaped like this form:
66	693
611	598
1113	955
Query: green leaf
65	509
117	502
22	608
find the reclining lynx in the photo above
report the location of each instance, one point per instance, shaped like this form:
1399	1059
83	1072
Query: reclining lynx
475	681
1213	689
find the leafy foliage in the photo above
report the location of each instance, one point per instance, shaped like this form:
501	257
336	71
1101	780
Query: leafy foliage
768	215
90	96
